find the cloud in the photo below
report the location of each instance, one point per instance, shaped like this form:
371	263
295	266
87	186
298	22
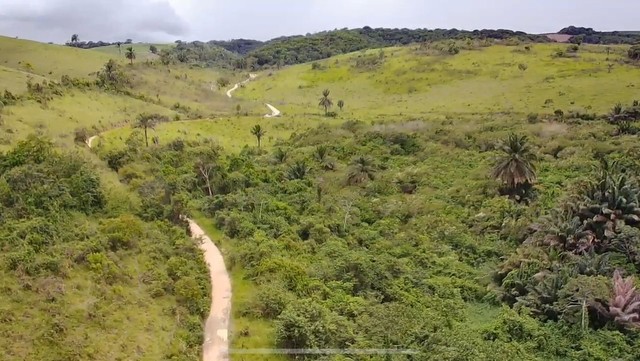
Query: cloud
108	20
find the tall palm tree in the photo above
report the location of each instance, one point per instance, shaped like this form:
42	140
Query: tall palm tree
340	104
147	121
362	169
325	101
258	132
130	54
515	168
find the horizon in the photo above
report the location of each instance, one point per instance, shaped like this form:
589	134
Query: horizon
164	21
134	41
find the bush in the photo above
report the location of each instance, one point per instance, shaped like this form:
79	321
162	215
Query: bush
532	117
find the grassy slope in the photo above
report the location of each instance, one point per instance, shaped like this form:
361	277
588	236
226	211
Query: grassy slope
52	61
411	84
191	87
141	50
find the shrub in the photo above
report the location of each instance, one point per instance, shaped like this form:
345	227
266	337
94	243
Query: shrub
532	117
559	113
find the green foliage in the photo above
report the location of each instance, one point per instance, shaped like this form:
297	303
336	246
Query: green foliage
302	49
79	269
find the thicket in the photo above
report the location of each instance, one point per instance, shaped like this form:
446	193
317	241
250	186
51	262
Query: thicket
71	262
590	36
300	49
372	241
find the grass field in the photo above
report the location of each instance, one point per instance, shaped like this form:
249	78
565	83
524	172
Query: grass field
51	61
177	91
142	50
410	83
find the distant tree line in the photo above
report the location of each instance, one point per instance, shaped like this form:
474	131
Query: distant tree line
301	49
590	36
76	43
238	46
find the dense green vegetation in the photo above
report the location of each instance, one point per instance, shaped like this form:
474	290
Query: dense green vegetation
590	36
302	49
87	274
465	200
375	225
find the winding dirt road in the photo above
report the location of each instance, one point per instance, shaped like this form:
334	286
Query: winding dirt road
274	111
216	329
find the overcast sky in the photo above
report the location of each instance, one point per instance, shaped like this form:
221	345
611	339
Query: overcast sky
169	20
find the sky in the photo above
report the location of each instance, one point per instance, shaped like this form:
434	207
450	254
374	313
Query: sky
170	20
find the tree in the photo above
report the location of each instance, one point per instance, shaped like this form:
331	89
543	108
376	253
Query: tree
325	102
130	54
362	169
75	38
515	169
238	109
119	45
222	82
340	104
153	49
299	170
258	132
148	121
205	166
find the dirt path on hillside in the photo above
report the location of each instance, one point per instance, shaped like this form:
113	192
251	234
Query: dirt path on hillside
274	111
235	87
90	140
216	329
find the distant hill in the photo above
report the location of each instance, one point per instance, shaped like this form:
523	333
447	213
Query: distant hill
238	46
300	49
591	36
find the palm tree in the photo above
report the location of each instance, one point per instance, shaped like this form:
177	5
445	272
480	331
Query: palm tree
147	121
362	169
340	104
515	169
299	170
280	155
75	38
321	154
119	45
130	54
325	101
258	132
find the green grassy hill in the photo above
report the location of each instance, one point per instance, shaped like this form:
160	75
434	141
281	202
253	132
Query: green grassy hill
142	50
178	91
412	81
52	61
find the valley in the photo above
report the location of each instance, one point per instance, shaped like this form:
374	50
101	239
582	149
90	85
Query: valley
462	198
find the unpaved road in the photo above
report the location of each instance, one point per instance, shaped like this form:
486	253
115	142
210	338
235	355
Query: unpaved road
274	112
216	329
235	87
90	140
